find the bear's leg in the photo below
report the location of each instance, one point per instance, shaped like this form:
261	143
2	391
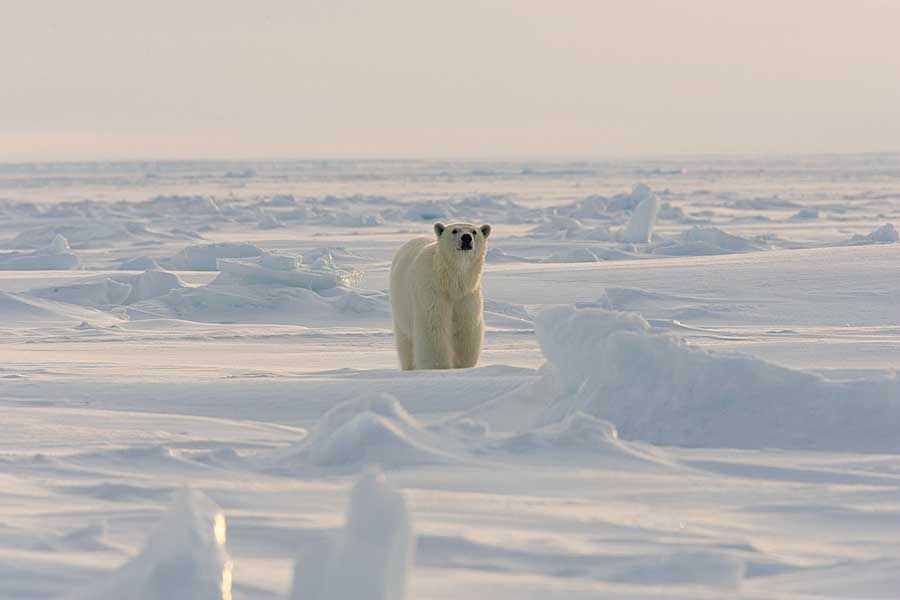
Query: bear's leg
404	350
432	343
468	332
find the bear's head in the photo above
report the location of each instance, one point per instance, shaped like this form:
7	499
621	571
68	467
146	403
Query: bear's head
462	241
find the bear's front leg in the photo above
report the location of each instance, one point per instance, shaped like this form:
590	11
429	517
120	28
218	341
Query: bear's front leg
468	330
432	338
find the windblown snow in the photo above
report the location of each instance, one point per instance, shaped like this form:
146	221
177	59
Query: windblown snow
688	387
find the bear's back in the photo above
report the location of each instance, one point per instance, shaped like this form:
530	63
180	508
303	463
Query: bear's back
407	254
414	255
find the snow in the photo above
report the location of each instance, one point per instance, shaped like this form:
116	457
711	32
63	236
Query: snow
886	234
372	556
369	430
656	389
184	558
702	241
705	410
284	270
205	257
56	256
643	219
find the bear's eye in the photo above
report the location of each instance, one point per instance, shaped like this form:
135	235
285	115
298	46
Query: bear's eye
455	231
474	232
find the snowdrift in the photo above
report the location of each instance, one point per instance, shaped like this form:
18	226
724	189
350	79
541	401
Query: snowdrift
370	430
25	311
204	257
56	256
267	288
184	558
371	558
566	221
279	269
655	388
886	234
703	241
640	227
580	434
110	292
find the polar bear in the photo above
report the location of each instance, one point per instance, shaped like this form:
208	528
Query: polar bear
436	297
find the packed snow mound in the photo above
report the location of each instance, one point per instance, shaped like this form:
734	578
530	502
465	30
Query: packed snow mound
57	256
373	555
640	194
506	314
262	300
103	293
112	291
579	433
269	268
184	558
704	241
566	228
152	284
655	388
579	254
82	233
267	220
886	234
370	430
643	219
26	310
205	257
566	222
180	204
599	207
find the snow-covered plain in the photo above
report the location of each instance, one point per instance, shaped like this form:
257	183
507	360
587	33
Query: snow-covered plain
688	387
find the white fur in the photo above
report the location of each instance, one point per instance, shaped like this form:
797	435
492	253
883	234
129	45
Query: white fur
436	298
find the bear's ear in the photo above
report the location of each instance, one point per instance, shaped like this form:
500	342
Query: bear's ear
486	231
439	229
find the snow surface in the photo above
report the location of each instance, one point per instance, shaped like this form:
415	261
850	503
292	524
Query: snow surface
707	408
372	556
183	559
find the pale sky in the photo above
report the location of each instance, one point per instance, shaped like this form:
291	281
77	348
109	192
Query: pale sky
112	79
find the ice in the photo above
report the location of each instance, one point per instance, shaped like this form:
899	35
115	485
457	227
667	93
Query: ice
655	388
21	309
117	290
82	234
152	284
643	219
201	205
56	256
205	257
372	555
246	292
59	245
268	221
640	194
281	270
702	241
183	559
96	294
575	255
886	234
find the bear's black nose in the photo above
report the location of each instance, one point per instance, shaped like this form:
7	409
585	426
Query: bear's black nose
466	241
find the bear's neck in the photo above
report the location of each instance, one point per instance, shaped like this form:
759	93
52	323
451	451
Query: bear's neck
462	277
